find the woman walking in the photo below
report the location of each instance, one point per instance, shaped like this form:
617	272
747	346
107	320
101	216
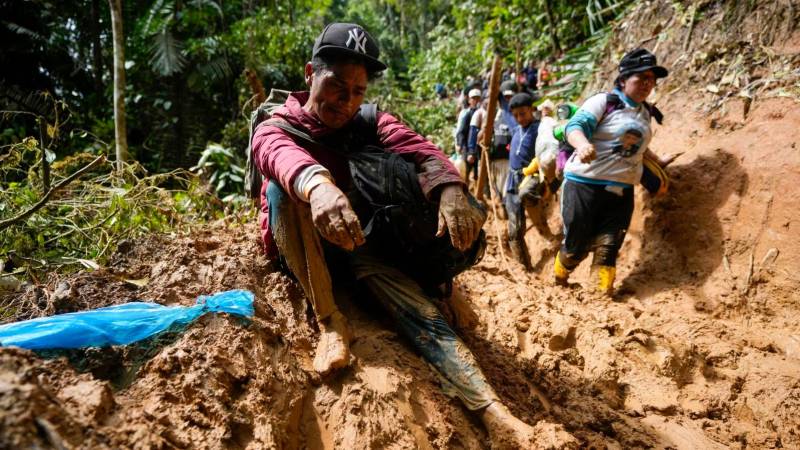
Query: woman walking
610	134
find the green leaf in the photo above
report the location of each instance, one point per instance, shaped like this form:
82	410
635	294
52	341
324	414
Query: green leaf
207	3
167	56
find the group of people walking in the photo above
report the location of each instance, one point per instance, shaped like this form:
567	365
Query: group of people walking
591	157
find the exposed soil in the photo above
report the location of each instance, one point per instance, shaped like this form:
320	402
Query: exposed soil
700	347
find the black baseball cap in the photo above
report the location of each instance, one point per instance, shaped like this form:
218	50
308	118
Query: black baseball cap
520	100
640	60
351	40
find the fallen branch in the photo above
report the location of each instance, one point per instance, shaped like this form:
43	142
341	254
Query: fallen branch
24	215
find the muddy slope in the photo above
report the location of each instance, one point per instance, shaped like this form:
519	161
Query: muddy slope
223	382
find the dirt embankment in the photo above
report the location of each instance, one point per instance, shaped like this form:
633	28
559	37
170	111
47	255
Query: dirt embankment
700	348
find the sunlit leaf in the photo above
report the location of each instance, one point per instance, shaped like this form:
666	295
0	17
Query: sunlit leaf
139	282
89	264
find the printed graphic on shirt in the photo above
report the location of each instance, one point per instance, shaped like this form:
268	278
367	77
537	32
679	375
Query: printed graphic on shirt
628	142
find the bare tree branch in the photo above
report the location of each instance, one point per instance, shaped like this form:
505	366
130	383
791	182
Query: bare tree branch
8	222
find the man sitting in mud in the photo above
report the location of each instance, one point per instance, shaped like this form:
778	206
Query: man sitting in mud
304	198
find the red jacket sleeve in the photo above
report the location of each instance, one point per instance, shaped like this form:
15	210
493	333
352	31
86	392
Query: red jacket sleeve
278	157
435	169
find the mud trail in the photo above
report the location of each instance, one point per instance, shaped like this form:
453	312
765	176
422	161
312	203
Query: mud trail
700	348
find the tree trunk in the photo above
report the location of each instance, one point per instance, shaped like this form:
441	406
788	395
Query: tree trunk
256	87
518	64
120	129
97	50
553	30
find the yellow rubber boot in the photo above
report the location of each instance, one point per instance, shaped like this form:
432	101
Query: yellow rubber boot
532	168
561	272
605	279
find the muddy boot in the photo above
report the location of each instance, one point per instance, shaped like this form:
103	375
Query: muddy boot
561	273
333	348
604	276
520	253
508	432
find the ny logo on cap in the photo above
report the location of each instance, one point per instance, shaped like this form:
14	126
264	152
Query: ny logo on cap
359	39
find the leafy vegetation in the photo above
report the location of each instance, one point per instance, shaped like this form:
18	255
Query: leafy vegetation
83	222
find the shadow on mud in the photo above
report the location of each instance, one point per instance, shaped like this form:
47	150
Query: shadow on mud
682	240
116	364
120	364
534	389
538	389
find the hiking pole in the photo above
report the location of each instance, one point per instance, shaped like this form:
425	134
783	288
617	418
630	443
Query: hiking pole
484	170
488	126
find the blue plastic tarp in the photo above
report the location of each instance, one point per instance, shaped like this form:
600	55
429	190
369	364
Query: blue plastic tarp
118	324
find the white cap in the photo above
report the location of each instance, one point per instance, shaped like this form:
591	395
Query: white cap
547	104
508	92
474	93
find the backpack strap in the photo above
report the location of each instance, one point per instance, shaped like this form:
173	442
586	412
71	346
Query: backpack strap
614	102
369	112
366	120
287	127
655	113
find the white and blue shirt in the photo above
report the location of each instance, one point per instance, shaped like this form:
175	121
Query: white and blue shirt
620	138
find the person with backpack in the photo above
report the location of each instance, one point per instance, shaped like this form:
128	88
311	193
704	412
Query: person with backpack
498	154
463	131
352	195
473	154
540	179
610	134
522	151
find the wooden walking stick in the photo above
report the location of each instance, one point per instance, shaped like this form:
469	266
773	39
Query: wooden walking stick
488	126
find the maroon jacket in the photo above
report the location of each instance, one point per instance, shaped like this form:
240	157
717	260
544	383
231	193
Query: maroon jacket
280	159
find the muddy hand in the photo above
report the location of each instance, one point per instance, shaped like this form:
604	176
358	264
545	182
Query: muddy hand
459	217
586	153
334	218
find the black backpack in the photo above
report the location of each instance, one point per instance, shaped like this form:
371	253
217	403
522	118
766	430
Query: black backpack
501	142
399	222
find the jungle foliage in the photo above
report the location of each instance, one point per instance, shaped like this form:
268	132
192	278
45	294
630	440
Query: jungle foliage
187	97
